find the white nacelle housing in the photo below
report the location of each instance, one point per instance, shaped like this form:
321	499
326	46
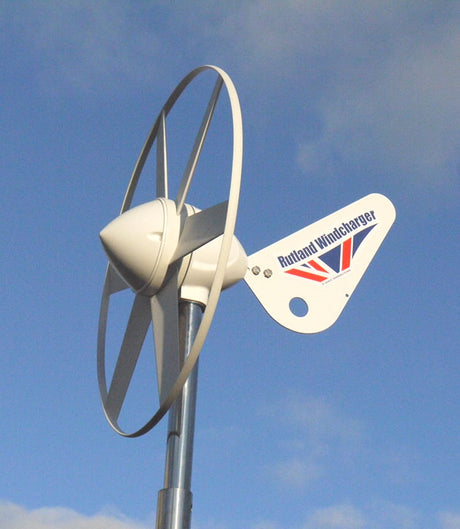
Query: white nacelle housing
202	268
141	243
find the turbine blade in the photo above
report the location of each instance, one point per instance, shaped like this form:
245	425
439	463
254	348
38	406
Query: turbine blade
133	339
201	228
162	159
165	317
196	151
114	281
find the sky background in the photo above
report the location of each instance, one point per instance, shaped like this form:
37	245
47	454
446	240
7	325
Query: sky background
353	428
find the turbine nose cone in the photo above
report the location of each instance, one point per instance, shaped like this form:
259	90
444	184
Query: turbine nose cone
133	243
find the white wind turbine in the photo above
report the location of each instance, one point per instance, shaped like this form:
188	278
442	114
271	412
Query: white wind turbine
177	259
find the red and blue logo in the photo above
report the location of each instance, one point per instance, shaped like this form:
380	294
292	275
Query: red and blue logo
333	262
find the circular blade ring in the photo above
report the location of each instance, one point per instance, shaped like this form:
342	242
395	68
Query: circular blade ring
225	247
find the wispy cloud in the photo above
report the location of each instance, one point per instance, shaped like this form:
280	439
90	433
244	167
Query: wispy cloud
335	517
17	517
380	80
320	420
383	513
296	472
449	520
317	433
377	515
404	119
85	46
319	438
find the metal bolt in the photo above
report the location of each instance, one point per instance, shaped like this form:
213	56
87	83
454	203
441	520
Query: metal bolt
268	273
255	270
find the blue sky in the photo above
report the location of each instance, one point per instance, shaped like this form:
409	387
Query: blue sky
353	428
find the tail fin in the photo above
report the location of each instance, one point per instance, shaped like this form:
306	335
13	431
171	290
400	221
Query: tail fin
305	280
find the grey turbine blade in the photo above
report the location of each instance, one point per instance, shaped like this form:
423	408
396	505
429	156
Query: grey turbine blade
196	151
115	282
165	317
133	339
201	228
162	159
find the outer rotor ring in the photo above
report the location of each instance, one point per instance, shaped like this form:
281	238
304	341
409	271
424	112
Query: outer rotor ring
227	238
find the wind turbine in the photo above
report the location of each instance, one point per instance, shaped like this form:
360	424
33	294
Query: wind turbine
177	259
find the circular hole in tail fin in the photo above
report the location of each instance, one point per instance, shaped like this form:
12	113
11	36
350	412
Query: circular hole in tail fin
298	307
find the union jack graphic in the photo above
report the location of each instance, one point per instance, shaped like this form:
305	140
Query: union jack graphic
332	262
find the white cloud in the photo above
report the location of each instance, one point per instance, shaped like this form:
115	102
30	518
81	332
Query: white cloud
85	46
17	517
388	514
296	472
328	39
381	77
321	422
404	120
266	525
449	520
209	524
378	515
319	436
336	517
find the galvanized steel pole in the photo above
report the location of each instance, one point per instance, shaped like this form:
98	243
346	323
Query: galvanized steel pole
174	508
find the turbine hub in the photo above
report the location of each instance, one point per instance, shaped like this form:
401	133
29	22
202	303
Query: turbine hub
140	243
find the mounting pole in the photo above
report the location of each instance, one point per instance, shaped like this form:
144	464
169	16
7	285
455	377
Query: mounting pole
174	507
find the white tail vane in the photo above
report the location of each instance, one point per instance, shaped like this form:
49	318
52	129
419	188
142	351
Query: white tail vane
305	280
